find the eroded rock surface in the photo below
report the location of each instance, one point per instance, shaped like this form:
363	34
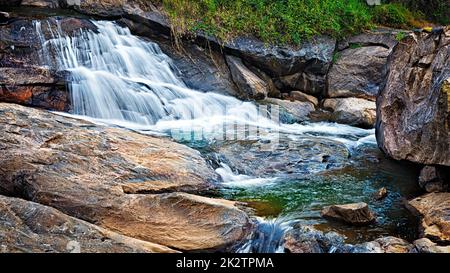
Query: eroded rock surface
85	170
31	227
434	208
413	108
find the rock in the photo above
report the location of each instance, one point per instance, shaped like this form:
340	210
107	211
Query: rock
85	170
425	245
358	72
381	194
282	157
352	111
412	108
23	79
354	214
30	227
313	56
379	37
431	179
34	86
307	82
10	2
306	239
388	244
297	111
297	95
247	81
42	3
434	208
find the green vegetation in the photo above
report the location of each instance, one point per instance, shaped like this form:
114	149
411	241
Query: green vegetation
400	36
285	21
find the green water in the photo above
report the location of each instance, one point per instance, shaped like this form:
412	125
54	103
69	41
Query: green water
370	170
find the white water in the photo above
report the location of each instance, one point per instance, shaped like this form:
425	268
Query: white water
118	77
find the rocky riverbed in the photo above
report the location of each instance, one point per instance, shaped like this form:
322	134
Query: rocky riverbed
319	186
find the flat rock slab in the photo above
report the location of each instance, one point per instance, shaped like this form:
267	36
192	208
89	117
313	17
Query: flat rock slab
354	214
85	171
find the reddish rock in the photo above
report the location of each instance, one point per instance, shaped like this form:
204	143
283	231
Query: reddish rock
354	214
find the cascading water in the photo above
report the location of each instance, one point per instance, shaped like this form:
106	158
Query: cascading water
121	79
117	78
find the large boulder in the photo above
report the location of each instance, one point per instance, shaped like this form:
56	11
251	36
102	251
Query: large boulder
434	208
31	227
303	67
312	56
352	111
413	107
92	172
358	72
354	214
360	64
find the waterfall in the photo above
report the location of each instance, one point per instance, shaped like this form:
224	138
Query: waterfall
119	77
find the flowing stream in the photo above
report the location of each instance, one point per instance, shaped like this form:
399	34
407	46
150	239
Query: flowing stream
122	80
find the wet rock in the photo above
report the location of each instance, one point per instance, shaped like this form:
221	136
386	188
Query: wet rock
300	96
432	179
434	208
296	111
381	194
306	239
388	244
23	79
199	67
82	170
313	56
283	157
31	227
358	72
352	111
412	109
354	214
247	81
425	245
